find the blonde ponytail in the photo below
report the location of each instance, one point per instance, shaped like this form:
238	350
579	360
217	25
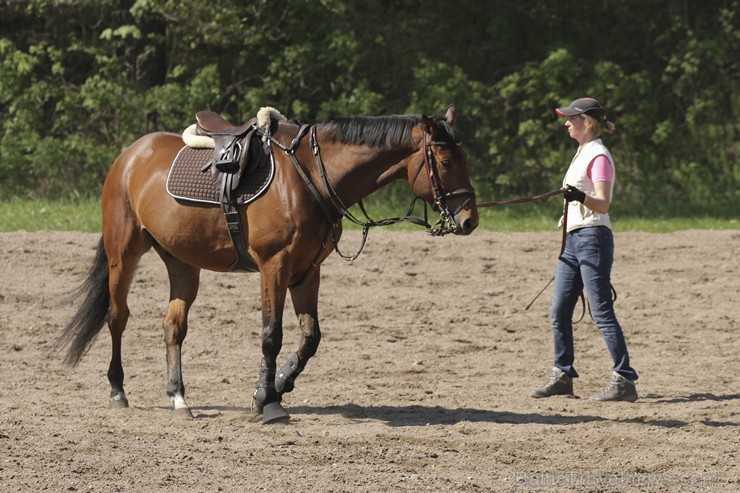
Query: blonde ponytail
598	127
608	127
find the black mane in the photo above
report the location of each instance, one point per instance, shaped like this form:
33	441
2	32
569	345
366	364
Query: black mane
378	131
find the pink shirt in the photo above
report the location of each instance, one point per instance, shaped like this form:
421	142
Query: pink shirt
600	169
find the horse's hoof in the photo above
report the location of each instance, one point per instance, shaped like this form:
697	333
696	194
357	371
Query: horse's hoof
116	404
182	413
274	413
256	408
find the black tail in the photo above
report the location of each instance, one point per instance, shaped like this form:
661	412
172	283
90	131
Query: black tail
80	332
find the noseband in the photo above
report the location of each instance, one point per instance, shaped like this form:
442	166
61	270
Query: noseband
447	222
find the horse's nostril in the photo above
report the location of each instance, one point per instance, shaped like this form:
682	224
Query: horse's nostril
469	224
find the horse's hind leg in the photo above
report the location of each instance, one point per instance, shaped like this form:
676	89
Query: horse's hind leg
124	252
305	302
184	282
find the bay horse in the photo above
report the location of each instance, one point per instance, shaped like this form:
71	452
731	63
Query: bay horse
286	232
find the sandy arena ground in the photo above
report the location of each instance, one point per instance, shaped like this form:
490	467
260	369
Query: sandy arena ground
421	383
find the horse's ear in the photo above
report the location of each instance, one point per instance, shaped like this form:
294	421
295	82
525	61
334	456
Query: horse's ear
451	115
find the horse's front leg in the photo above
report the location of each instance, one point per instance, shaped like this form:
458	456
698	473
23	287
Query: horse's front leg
305	298
266	399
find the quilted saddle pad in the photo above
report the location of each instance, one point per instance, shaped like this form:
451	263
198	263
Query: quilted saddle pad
190	180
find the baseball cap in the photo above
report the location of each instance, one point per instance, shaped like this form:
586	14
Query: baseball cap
589	106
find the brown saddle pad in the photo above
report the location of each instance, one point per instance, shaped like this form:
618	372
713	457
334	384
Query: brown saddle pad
188	180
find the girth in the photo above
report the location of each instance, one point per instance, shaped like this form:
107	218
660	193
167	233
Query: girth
237	150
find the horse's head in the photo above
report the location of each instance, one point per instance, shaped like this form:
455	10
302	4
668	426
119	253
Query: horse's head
447	185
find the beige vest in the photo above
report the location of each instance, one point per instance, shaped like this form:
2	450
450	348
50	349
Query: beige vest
580	216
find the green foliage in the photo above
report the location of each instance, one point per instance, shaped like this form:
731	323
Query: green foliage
79	81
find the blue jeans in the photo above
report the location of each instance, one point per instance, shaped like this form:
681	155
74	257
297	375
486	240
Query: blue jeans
587	261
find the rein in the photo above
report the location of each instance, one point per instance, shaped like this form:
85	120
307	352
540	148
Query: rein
344	211
446	224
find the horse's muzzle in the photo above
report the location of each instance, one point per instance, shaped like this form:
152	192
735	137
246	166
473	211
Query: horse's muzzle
466	225
466	213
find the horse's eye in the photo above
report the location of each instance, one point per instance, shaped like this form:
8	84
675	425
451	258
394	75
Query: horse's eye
446	163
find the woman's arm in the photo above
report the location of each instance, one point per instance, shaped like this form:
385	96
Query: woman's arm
600	203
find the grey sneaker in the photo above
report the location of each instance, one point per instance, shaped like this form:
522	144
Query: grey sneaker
558	384
619	389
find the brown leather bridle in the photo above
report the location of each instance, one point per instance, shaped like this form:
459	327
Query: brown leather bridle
447	222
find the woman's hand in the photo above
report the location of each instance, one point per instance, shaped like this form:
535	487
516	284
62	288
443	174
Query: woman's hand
572	193
598	203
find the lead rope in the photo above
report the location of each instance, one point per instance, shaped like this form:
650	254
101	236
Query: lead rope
584	305
562	242
560	257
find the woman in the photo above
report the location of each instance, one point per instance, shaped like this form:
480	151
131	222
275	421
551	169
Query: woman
588	255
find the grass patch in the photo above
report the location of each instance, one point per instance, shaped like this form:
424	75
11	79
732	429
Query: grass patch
84	215
544	216
670	224
50	215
